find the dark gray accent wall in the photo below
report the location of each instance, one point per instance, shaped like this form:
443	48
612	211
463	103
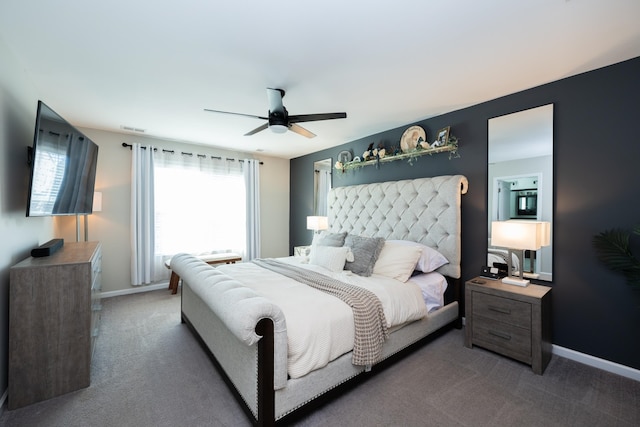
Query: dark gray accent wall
597	177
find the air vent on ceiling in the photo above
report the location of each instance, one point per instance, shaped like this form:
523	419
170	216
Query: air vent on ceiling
132	129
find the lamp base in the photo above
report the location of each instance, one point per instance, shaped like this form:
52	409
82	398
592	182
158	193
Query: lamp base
515	281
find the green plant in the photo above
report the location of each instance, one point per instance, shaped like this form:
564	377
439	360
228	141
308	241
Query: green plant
613	248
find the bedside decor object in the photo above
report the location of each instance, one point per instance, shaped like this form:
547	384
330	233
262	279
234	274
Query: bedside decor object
301	251
517	236
317	223
411	137
512	321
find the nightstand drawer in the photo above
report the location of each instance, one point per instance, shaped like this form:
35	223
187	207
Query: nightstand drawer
504	310
503	338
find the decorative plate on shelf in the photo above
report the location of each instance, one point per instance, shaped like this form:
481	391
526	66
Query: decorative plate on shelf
345	156
410	138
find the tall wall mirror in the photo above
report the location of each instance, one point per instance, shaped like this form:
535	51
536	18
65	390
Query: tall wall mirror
521	181
321	186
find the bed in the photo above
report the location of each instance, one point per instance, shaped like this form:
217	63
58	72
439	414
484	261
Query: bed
251	337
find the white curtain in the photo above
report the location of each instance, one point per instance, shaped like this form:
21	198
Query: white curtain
142	215
322	192
252	183
200	206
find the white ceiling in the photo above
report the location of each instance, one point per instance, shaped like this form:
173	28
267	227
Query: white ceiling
156	64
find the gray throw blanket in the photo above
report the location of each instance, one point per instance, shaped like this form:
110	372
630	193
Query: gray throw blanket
370	323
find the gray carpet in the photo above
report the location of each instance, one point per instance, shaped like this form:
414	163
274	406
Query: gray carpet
149	370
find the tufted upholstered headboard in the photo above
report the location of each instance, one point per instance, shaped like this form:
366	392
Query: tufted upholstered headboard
424	210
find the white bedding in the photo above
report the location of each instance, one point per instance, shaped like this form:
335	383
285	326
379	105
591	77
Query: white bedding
432	285
320	326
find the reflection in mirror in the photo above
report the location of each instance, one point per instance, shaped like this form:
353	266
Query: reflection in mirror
521	181
321	186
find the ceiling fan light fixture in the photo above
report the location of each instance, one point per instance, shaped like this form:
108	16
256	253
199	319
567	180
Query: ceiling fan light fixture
278	128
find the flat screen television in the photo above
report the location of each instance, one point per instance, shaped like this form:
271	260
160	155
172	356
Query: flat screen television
63	167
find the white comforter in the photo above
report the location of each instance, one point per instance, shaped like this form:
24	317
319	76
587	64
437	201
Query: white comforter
320	326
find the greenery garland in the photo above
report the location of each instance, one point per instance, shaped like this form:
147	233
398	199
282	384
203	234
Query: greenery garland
376	155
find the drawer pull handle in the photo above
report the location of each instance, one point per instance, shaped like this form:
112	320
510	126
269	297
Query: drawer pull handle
500	335
500	309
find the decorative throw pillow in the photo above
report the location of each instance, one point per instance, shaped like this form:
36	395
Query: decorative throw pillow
397	261
365	253
330	257
329	239
429	260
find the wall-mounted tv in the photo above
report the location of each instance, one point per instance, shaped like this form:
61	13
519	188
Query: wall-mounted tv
63	167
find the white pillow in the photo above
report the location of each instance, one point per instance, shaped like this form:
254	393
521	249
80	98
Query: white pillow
430	259
397	261
330	257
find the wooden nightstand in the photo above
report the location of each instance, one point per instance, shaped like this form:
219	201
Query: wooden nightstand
511	320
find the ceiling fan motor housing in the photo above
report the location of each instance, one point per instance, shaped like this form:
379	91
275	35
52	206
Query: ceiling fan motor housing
278	119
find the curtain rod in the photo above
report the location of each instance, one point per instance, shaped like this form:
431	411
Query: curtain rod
124	144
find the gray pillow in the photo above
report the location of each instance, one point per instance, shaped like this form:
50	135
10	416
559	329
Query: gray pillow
365	253
330	239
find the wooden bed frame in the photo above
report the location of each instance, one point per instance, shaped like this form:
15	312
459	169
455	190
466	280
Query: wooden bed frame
425	210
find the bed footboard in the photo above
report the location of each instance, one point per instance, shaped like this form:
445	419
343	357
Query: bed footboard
239	328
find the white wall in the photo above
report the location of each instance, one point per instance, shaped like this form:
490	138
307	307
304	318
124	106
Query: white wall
19	234
113	179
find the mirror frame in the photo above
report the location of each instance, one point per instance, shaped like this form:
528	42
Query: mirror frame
318	167
514	142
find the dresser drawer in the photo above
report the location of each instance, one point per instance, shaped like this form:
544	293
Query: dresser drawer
504	310
503	338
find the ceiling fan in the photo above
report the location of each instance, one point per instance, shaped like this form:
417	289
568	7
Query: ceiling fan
279	120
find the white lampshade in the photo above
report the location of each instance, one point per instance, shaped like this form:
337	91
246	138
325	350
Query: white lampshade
97	201
523	235
317	223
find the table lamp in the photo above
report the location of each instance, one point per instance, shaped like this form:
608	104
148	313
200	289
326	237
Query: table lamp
517	236
317	223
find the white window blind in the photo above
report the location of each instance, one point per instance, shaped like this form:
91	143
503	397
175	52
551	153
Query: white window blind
200	205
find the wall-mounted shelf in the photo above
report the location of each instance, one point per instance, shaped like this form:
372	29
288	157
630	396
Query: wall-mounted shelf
451	147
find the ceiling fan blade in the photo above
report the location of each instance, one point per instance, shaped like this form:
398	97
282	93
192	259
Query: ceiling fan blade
258	129
236	114
298	118
300	130
275	100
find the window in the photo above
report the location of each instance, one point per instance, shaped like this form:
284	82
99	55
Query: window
200	205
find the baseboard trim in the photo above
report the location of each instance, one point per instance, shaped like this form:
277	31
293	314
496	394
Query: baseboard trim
596	362
136	290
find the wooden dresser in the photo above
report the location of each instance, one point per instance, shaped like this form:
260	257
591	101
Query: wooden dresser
511	320
54	314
